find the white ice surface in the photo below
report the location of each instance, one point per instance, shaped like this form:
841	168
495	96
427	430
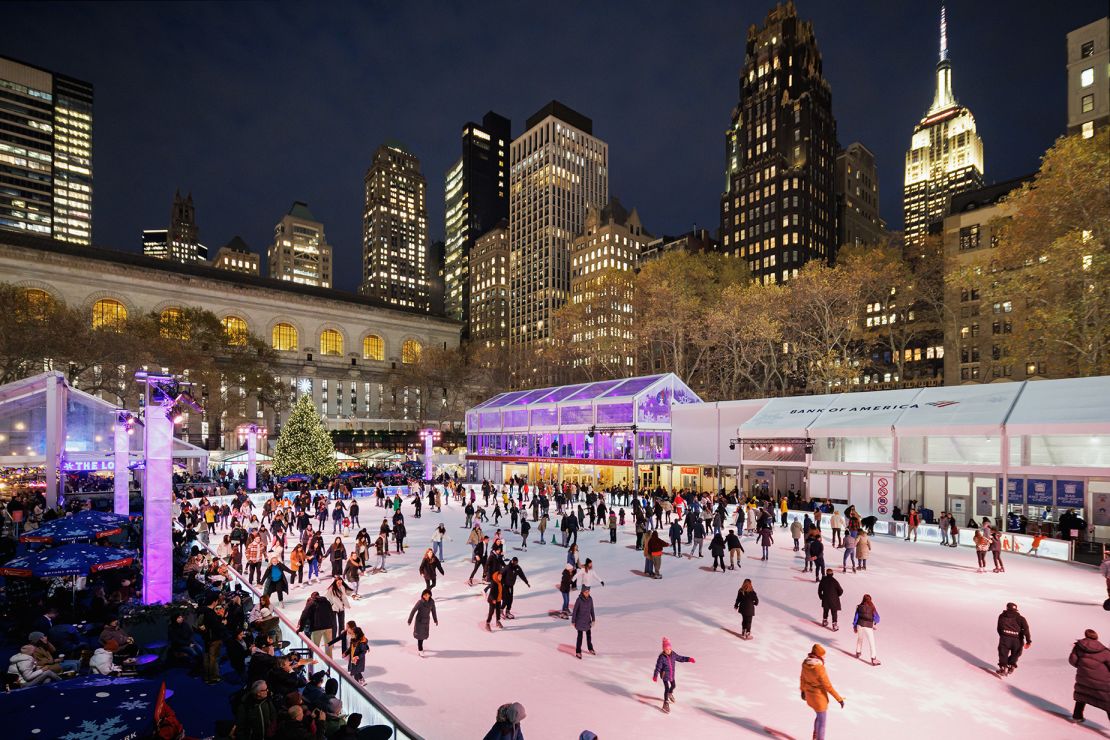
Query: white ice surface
937	643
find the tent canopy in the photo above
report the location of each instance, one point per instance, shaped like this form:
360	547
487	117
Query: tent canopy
785	417
1071	406
958	411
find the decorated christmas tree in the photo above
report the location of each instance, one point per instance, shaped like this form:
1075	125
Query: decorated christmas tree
304	445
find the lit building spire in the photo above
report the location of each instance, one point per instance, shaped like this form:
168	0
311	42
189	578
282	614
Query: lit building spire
944	97
943	35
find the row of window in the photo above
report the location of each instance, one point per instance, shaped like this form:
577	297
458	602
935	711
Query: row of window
108	313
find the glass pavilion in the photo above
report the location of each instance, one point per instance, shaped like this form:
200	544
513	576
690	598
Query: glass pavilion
586	433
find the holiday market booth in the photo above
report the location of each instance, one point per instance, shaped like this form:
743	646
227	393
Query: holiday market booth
594	433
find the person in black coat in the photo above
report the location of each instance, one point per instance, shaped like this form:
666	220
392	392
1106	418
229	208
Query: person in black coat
717	550
337	553
1013	638
817	556
318	620
424	611
746	602
509	573
830	591
429	564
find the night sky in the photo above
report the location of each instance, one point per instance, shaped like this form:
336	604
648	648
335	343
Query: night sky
251	106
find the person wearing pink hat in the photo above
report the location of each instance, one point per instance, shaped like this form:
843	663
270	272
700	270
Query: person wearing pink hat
665	667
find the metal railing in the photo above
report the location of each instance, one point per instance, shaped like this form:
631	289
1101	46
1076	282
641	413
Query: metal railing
355	697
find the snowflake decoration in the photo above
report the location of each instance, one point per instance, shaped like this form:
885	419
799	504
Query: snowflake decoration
93	730
134	704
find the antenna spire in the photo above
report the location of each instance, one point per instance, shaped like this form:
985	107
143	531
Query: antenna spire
943	34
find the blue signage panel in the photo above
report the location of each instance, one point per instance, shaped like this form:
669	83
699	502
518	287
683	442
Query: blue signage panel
1016	490
1069	494
1039	492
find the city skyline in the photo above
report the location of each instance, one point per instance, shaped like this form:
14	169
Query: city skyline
673	174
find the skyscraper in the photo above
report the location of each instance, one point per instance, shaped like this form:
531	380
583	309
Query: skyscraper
1089	78
180	242
300	252
395	230
778	210
47	153
489	287
857	197
477	195
945	156
559	170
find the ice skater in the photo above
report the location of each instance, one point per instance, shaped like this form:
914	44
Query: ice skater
817	555
829	591
717	550
766	539
734	550
665	668
996	552
746	602
816	687
583	619
864	624
796	534
565	581
509	573
429	564
424	611
1013	637
1092	675
851	539
496	594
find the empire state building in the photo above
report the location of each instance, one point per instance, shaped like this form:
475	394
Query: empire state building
945	156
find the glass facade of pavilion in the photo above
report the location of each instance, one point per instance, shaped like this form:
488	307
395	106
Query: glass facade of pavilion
590	432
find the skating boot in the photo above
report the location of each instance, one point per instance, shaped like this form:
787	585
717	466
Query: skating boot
875	661
857	655
824	623
666	705
500	626
487	627
835	627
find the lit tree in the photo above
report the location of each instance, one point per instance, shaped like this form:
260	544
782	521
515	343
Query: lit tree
304	445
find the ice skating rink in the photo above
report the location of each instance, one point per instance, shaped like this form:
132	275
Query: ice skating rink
936	641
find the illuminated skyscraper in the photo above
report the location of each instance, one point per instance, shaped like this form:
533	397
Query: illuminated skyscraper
300	252
477	195
178	243
559	170
395	230
945	157
46	155
778	210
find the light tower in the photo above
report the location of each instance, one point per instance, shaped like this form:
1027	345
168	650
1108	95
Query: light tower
251	434
430	437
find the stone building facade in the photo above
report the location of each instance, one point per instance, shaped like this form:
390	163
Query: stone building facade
347	351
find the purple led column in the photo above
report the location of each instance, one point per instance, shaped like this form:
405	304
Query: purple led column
157	502
121	460
252	459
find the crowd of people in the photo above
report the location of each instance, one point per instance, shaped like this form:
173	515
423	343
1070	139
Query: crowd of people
679	522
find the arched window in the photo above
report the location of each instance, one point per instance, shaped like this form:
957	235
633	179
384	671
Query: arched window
37	303
171	324
236	330
410	351
108	313
284	337
373	348
331	342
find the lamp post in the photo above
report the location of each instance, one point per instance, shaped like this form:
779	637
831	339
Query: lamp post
164	405
125	427
251	432
430	437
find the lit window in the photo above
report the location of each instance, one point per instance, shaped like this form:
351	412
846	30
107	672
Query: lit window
37	302
236	330
1088	129
283	337
171	324
331	342
373	347
108	313
410	351
1087	103
1087	77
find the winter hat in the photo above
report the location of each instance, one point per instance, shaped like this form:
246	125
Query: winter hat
666	643
35	636
511	713
817	650
587	735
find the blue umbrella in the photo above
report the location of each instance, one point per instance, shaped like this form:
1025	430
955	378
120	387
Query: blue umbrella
84	525
76	559
89	707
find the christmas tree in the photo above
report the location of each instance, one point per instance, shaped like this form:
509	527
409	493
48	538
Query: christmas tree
304	445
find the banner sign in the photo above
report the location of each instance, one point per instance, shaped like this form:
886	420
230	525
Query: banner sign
1069	494
1039	492
87	466
984	501
1015	488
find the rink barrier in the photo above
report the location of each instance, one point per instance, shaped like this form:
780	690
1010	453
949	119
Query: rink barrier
1013	543
355	698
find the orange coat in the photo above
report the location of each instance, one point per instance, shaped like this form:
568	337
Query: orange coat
816	685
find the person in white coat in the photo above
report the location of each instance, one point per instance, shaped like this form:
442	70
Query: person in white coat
101	661
589	574
23	665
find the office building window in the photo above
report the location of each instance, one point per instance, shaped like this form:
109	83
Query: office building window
1087	77
1087	103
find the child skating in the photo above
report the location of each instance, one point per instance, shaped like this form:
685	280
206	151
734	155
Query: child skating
665	667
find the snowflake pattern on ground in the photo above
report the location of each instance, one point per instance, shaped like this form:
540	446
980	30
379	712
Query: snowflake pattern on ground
93	730
134	704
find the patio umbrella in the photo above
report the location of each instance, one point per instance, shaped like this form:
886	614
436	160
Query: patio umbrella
296	477
84	525
98	707
76	559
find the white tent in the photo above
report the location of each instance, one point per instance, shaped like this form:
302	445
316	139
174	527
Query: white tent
1071	406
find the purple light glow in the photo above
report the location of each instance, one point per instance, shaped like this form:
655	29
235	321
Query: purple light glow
157	500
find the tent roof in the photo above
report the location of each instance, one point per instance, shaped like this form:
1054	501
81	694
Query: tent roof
961	410
1070	406
785	417
862	414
